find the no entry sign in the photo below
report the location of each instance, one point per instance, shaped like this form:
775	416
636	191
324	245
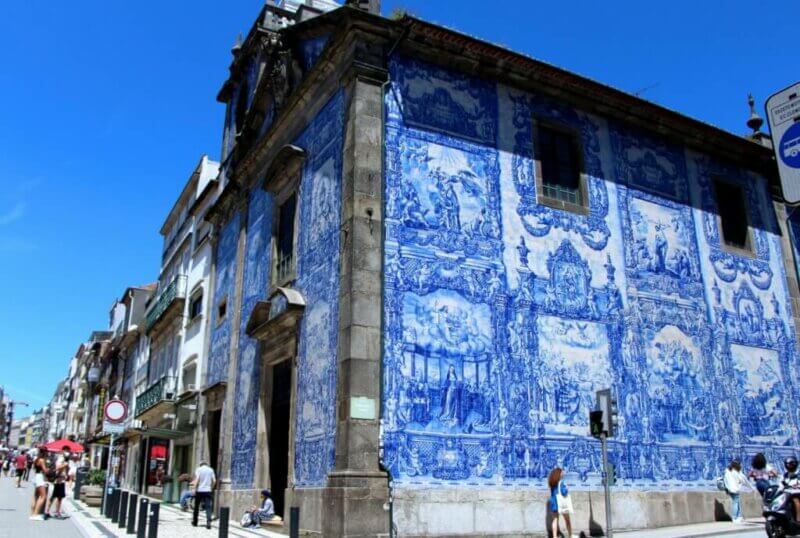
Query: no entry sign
115	411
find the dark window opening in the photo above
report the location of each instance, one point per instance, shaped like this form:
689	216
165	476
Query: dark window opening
559	155
241	106
196	306
285	239
222	309
733	220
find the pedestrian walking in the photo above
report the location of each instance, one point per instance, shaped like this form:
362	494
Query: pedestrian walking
735	481
72	471
39	486
560	501
761	473
31	457
59	485
20	464
204	482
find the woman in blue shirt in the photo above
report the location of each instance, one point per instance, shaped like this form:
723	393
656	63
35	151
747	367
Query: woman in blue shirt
564	507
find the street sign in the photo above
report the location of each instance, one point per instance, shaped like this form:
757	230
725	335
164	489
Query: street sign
114	428
115	411
783	116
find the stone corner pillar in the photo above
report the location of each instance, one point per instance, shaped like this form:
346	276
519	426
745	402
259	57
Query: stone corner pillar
357	490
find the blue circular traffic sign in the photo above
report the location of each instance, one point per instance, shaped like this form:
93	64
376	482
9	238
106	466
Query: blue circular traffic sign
789	148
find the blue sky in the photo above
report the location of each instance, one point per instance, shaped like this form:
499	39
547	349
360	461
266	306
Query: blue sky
105	108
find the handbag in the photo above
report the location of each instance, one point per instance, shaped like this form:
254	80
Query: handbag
564	502
247	520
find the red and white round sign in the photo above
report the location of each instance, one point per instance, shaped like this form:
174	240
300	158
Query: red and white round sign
115	411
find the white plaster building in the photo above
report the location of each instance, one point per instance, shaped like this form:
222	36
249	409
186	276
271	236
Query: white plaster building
176	324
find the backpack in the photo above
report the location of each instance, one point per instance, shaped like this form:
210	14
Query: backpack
247	520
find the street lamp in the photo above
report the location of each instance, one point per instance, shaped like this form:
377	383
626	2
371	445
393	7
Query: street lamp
10	418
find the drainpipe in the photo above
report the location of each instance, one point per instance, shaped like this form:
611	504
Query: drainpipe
382	465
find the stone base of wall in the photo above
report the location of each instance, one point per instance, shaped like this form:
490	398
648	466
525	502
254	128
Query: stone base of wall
498	513
311	502
353	505
238	500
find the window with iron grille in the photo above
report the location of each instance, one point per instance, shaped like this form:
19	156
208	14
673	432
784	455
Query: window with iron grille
559	168
284	240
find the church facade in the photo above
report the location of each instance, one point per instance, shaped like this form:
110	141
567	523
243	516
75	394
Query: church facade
430	252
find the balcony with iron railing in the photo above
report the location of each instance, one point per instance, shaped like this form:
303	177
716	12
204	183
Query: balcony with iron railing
160	394
171	300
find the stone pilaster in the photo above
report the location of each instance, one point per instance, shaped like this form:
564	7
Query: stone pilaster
235	309
787	257
357	488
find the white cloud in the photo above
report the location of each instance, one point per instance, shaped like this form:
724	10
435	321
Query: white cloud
16	212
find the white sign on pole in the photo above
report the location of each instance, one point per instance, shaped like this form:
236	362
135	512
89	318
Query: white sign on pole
113	428
783	116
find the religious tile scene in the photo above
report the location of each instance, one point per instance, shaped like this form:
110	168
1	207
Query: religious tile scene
393	300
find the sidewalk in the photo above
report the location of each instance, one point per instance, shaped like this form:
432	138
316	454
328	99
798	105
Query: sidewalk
173	523
718	528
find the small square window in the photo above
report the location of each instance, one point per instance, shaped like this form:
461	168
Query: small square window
559	164
196	306
733	220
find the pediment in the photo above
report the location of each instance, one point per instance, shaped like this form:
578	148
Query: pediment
280	314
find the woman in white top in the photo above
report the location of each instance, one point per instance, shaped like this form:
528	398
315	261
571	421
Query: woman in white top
734	482
39	486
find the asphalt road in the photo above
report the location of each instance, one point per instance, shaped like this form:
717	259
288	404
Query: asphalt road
15	507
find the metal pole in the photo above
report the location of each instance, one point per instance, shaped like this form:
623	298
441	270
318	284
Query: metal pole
606	485
140	531
154	509
134	499
104	509
224	516
123	510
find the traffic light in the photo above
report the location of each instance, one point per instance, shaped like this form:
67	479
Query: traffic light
595	423
607	403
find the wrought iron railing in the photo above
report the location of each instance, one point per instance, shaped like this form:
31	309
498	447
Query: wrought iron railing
175	290
161	390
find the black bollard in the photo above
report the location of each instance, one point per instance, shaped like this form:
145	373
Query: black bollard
140	531
155	508
134	499
114	505
294	522
224	517
123	509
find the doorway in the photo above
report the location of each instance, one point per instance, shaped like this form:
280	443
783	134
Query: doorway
280	410
214	421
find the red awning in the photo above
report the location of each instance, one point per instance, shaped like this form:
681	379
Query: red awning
63	444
